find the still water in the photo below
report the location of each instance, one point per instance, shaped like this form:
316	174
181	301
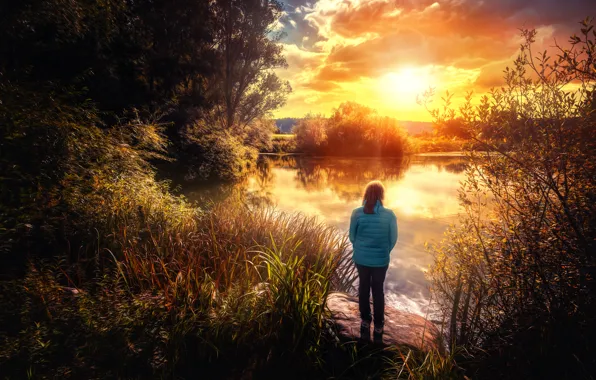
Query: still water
421	190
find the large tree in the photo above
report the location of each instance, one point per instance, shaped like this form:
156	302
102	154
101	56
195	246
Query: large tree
247	87
118	54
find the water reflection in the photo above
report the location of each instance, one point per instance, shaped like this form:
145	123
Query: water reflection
421	190
346	177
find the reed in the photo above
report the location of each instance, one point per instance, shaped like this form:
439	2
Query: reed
231	278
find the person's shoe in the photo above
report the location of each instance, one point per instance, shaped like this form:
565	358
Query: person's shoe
378	334
365	331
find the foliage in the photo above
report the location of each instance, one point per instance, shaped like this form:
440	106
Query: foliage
353	130
357	130
71	163
259	134
247	87
282	143
173	287
162	59
311	133
453	128
119	54
212	153
433	143
517	279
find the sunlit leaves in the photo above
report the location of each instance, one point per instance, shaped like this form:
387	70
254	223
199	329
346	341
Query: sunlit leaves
524	249
352	130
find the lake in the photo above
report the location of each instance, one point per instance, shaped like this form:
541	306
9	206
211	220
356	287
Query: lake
422	190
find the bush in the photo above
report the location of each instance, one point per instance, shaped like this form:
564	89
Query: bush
353	130
210	153
71	165
311	134
517	279
258	134
282	143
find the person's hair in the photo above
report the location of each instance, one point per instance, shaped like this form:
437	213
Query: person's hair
374	192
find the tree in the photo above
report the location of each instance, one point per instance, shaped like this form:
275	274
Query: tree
247	87
311	133
120	55
357	130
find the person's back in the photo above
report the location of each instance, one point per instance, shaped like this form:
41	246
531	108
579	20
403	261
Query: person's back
373	233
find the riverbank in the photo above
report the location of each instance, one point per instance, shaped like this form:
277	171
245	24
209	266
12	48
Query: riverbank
287	144
234	290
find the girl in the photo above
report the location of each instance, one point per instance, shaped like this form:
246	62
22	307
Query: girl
373	233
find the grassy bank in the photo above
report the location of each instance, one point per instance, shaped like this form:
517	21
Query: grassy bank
170	285
168	290
282	143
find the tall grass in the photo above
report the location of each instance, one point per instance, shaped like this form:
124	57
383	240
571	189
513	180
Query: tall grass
168	289
174	285
417	365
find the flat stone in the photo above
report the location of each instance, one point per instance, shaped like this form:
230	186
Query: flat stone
401	328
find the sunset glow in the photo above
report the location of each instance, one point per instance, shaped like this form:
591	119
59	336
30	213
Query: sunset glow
382	53
405	84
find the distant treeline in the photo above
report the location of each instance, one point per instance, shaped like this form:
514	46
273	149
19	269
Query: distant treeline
357	130
286	125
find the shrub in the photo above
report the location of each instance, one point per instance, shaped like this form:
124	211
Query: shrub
71	164
283	143
353	130
521	268
258	134
210	153
311	134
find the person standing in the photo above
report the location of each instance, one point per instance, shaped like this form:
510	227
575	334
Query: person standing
373	233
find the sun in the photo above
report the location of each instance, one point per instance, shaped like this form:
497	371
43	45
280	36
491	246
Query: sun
405	83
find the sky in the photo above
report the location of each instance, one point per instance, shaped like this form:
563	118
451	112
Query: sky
383	53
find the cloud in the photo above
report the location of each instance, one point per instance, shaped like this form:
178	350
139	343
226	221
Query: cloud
335	73
346	45
321	85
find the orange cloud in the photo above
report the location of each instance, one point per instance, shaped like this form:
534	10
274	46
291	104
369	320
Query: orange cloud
377	52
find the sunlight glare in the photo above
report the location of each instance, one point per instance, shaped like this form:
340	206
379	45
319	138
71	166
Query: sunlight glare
406	82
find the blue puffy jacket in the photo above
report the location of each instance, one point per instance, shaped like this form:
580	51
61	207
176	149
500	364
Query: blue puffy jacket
373	235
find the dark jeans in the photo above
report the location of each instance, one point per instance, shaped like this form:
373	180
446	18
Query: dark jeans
371	277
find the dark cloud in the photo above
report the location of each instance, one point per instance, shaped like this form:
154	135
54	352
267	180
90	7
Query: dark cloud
299	31
293	4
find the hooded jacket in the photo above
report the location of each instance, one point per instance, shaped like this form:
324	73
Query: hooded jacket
373	235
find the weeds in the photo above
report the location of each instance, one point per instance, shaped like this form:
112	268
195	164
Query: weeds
175	286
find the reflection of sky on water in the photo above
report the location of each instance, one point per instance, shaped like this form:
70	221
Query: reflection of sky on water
422	193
